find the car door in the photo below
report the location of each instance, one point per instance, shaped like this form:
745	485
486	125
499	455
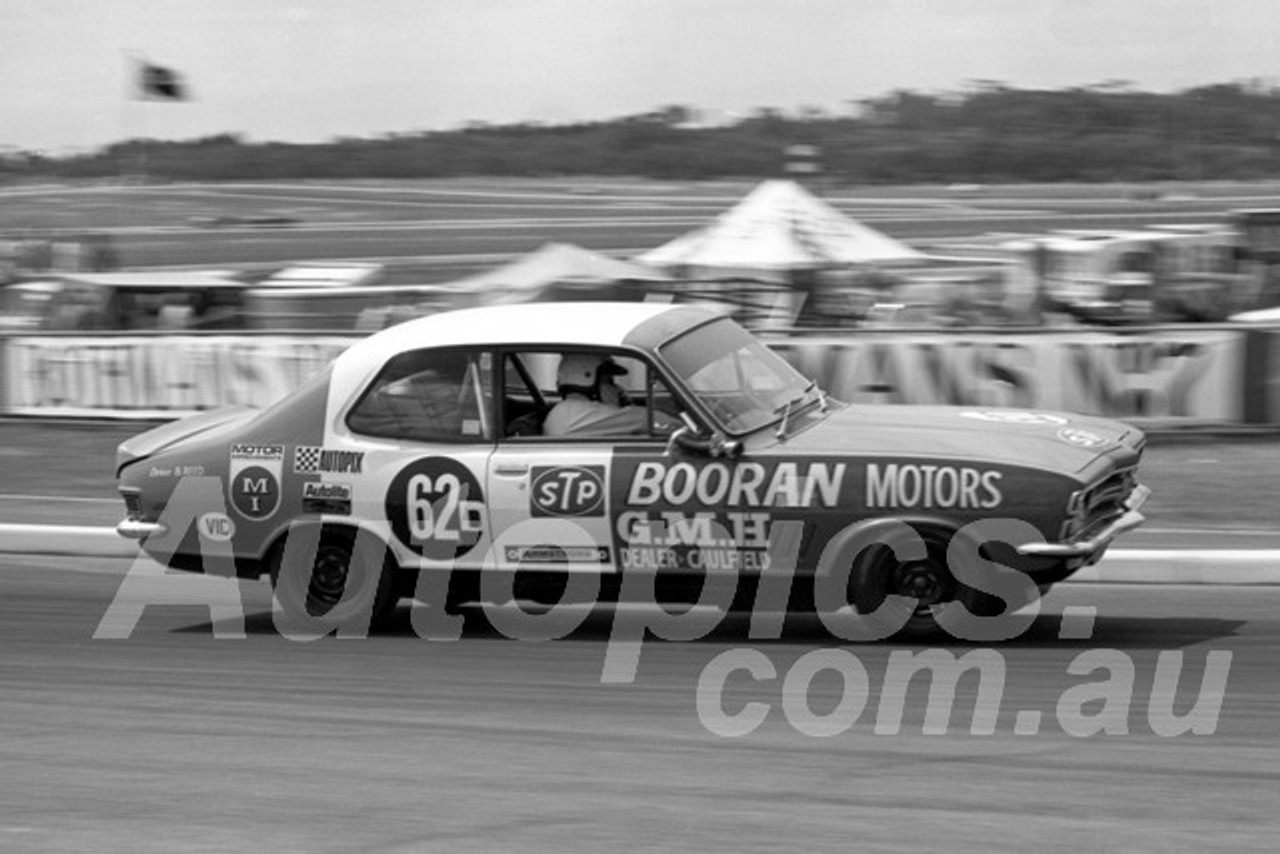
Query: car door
550	499
424	430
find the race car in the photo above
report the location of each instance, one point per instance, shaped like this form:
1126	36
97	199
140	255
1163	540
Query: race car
692	452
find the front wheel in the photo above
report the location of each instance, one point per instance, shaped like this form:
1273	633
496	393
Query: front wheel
877	573
927	581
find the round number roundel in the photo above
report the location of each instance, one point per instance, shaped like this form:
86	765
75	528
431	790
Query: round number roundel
436	507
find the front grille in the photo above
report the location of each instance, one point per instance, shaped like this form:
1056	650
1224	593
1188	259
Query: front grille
1095	506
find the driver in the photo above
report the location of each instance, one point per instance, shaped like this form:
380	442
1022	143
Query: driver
591	402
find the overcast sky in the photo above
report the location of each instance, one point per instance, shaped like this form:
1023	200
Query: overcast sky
311	70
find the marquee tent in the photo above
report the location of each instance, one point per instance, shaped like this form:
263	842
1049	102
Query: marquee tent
779	227
554	264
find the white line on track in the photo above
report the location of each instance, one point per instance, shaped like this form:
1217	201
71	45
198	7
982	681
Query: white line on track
73	499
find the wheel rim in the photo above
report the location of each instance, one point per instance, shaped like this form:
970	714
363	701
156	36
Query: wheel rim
328	579
927	581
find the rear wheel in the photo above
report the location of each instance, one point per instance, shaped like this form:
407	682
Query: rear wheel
335	579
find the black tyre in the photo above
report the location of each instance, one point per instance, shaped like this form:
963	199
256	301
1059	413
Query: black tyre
338	578
877	573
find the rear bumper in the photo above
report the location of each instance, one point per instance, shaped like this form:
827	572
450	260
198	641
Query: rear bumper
136	529
1091	548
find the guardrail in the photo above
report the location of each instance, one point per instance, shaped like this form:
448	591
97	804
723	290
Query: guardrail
1186	376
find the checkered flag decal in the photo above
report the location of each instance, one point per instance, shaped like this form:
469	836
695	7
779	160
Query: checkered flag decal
306	459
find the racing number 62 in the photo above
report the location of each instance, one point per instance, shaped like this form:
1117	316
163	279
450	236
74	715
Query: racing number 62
437	510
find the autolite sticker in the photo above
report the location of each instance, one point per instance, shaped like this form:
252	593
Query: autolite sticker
326	498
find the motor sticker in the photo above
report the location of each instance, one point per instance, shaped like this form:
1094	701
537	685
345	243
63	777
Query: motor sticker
436	508
253	482
311	459
567	491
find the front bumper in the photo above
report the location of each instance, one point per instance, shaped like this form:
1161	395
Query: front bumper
1091	548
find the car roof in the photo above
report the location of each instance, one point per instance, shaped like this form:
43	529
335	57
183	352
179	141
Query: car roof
591	324
587	324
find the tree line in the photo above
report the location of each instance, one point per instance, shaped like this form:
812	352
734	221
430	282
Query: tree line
991	133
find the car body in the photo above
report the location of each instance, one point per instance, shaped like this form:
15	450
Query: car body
426	437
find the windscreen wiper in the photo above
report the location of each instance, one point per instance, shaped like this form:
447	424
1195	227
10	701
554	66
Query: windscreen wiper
786	408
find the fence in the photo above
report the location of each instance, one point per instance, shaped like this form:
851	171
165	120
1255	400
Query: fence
1171	376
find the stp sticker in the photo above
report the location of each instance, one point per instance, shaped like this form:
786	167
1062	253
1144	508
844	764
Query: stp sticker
253	483
567	491
436	507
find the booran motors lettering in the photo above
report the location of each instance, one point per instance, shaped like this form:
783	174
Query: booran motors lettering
743	484
311	459
897	486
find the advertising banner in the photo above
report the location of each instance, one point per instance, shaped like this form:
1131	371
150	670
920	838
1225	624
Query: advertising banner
1163	376
1159	377
148	377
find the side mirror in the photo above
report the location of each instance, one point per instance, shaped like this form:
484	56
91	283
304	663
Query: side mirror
691	438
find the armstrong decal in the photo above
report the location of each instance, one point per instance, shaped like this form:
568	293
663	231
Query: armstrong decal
253	481
567	491
309	459
903	486
557	554
749	484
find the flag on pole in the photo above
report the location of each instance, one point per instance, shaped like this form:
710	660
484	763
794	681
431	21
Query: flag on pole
157	83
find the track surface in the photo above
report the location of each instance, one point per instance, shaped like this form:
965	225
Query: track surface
175	739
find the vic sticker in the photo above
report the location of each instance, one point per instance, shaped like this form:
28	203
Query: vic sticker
254	479
567	491
435	507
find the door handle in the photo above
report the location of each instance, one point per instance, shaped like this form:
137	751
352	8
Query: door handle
511	469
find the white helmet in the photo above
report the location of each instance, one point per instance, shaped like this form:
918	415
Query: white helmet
580	369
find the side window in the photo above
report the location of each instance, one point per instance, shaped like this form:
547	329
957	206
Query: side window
429	396
585	394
